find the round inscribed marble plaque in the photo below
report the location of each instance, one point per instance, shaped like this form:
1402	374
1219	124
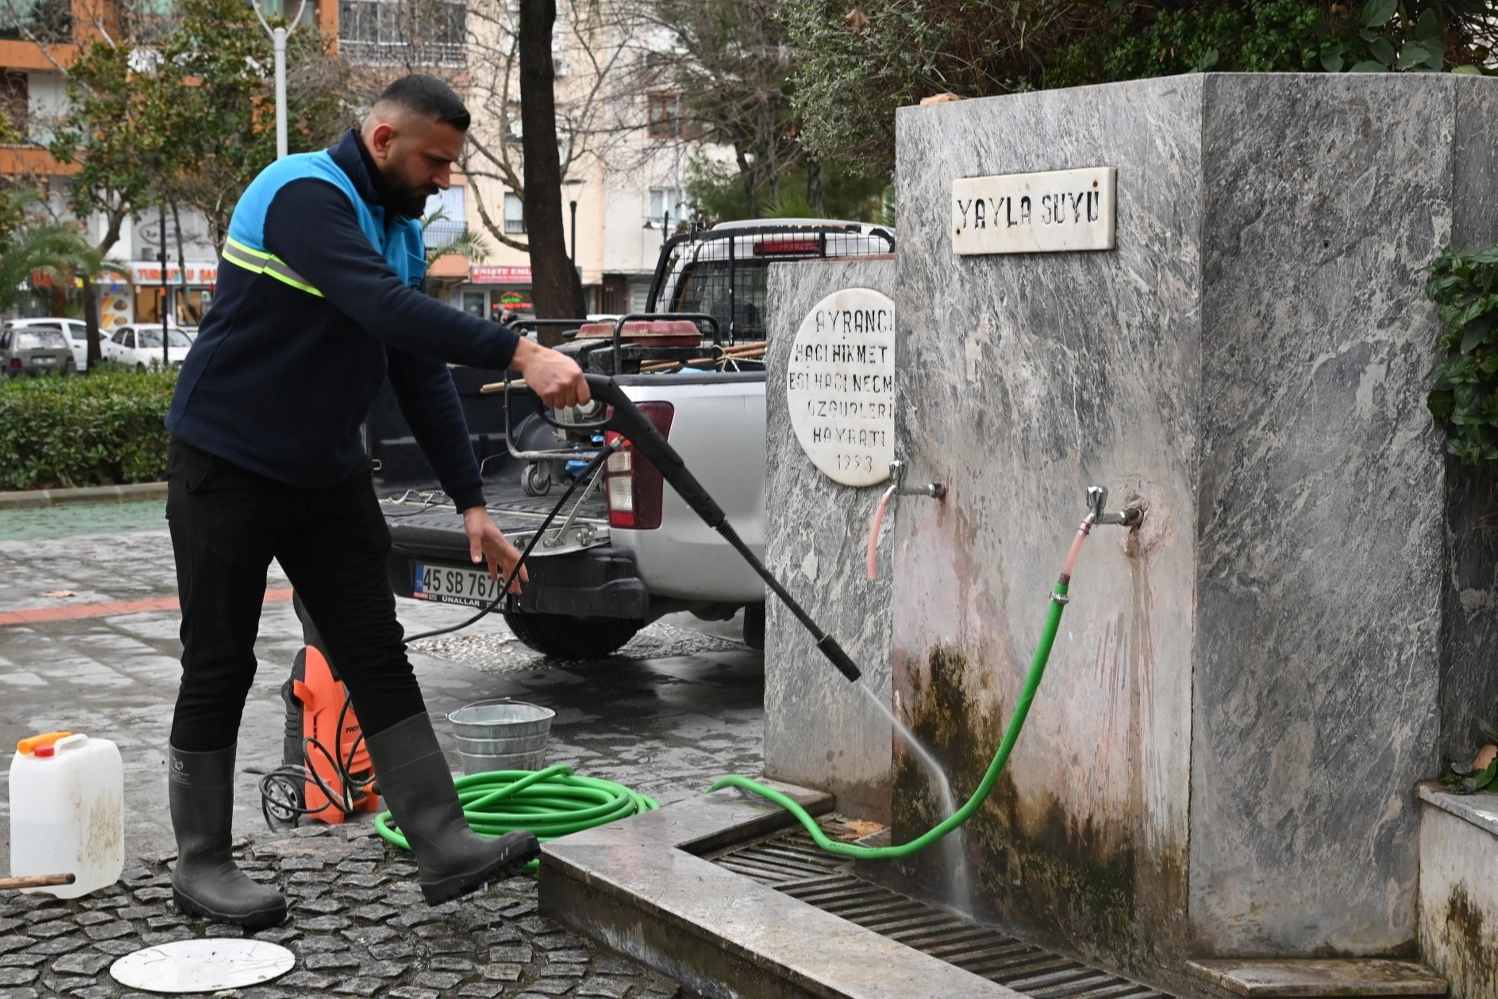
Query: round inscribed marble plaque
840	386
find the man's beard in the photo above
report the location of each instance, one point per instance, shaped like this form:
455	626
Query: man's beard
411	204
410	200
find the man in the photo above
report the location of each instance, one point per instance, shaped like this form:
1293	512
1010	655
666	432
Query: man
319	299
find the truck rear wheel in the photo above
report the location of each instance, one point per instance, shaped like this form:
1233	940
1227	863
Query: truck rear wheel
754	627
562	636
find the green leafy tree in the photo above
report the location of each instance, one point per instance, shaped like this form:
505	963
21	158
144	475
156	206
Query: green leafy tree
717	193
857	65
732	65
182	112
217	120
32	243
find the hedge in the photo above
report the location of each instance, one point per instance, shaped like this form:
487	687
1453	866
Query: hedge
102	428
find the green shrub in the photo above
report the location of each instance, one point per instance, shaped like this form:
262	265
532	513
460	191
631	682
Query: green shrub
103	428
1464	382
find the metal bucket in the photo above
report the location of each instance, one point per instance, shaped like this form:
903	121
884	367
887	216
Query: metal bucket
501	735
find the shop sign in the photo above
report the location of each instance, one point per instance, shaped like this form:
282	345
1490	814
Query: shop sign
514	301
150	273
496	274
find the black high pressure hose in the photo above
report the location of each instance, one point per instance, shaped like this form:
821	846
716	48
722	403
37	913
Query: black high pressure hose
625	418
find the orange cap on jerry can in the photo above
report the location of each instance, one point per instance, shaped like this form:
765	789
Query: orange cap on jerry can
28	745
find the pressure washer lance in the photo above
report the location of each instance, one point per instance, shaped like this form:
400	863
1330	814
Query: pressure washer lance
627	420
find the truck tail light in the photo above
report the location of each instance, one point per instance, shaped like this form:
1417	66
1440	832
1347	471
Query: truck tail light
634	485
15	364
781	247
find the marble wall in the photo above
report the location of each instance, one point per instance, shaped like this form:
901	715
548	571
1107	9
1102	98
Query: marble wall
1244	691
820	730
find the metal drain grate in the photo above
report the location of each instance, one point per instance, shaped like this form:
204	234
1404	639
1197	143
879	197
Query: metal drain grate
792	863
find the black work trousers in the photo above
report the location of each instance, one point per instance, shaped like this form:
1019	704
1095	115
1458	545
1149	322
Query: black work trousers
227	524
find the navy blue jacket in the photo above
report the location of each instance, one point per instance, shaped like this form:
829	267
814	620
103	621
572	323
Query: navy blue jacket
285	368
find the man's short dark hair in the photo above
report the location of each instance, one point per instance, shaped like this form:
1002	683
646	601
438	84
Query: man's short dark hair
428	97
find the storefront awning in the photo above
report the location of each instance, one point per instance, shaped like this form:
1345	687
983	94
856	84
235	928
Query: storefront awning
449	266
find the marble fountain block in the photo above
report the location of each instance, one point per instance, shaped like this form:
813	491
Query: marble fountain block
821	731
1222	759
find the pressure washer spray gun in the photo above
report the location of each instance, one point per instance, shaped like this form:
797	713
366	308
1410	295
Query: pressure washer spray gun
625	419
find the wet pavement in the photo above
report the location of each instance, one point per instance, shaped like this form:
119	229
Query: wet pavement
682	708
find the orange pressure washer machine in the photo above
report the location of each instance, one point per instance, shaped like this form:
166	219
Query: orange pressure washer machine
325	773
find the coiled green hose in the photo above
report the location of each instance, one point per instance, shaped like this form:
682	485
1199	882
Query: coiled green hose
550	803
957	818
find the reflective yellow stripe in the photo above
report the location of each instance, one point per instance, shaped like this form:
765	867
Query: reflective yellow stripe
232	254
265	263
230	243
277	269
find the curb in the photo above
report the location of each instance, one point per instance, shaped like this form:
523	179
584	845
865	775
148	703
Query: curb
25	498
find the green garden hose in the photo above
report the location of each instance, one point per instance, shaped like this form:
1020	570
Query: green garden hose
550	803
957	818
554	802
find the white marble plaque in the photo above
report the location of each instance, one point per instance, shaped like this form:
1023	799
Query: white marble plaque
841	386
1053	212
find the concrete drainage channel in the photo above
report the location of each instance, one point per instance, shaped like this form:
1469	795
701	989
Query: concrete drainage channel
721	894
791	863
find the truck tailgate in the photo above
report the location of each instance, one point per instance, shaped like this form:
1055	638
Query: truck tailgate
719	431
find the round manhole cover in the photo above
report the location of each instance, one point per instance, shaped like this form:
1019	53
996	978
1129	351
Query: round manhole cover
202	965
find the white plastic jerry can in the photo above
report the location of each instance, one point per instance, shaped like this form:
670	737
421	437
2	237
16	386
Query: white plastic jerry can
67	811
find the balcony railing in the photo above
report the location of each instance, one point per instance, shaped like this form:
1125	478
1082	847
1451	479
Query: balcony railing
414	33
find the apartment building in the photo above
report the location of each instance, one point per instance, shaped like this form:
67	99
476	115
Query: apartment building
625	179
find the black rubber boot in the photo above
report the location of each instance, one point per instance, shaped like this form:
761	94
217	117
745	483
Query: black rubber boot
451	858
206	881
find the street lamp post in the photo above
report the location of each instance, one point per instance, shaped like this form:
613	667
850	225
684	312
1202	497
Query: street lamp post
164	291
573	183
278	36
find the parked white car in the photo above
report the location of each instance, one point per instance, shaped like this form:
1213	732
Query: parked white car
74	329
140	346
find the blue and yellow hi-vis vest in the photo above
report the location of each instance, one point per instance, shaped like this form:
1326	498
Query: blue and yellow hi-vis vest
401	245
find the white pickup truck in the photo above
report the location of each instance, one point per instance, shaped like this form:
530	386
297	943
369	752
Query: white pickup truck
631	550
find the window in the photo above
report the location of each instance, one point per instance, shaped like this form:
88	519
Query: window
668	206
639	297
514	215
40	339
405	33
448	222
15	100
666	119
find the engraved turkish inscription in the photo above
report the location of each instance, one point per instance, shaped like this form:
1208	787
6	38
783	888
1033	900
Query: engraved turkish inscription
1052	212
840	386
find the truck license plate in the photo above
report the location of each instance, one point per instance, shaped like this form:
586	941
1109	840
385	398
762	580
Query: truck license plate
453	585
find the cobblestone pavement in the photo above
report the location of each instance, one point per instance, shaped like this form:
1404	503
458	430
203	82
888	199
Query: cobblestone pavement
666	725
